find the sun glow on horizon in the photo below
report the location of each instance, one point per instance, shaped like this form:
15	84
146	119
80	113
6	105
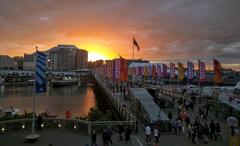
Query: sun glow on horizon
97	51
93	56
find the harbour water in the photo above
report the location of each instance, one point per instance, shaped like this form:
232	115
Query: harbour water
77	100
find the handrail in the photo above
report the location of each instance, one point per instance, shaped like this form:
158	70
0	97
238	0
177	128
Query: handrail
112	97
64	119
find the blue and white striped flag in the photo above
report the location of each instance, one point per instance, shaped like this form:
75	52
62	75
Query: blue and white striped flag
40	73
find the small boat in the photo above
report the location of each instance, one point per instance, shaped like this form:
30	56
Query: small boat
61	82
10	112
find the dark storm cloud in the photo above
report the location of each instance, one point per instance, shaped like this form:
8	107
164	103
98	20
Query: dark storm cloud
166	29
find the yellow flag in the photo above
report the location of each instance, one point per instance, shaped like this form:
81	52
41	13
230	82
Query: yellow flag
180	71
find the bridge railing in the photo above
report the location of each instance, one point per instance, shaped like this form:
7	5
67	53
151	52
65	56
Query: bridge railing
123	111
74	124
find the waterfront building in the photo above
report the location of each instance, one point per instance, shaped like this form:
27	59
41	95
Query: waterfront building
28	62
67	57
6	62
18	62
81	59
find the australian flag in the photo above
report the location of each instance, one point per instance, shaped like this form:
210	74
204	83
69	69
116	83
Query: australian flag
40	73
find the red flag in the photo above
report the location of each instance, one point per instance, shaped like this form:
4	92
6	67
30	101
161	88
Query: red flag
123	69
217	71
136	44
68	114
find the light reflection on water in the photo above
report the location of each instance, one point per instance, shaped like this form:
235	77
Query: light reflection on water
57	100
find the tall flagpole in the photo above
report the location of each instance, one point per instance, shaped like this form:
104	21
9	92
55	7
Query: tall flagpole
178	77
170	82
33	137
133	62
199	86
187	73
170	77
199	82
34	96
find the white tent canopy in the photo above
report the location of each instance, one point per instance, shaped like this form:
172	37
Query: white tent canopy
237	85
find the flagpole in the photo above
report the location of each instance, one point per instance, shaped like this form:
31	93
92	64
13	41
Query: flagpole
170	82
33	137
188	66
199	82
178	78
199	93
34	96
133	63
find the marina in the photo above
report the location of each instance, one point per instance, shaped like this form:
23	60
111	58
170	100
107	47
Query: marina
56	101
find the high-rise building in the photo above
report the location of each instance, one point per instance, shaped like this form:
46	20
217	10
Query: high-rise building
6	62
67	57
81	59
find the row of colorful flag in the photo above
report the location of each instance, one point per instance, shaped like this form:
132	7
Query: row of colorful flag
116	69
160	70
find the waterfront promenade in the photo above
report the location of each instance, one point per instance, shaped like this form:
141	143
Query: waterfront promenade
60	137
72	137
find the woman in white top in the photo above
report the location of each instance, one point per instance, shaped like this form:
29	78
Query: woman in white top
148	133
156	135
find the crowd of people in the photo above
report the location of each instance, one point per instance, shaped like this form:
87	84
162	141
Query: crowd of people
152	135
198	130
107	135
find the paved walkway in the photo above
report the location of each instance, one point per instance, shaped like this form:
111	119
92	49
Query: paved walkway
60	137
57	137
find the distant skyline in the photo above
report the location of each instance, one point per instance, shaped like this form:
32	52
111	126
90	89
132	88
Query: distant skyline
166	30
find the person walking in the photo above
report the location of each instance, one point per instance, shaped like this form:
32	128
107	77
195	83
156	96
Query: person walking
148	134
109	131
105	137
93	138
218	130
120	131
189	130
212	127
39	122
205	134
128	135
156	135
194	134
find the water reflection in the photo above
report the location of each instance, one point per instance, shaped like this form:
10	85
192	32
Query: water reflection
56	100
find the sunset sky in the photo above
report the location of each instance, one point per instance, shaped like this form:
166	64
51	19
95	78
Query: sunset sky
166	30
